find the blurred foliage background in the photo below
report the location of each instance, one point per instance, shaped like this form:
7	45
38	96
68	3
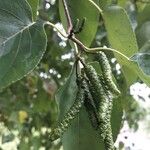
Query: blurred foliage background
28	108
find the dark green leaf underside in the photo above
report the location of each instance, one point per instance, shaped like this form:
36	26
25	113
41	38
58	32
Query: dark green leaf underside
20	49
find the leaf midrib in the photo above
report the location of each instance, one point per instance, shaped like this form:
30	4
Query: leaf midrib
20	31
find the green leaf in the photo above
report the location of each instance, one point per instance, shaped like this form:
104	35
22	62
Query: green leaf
118	25
104	3
141	74
143	16
143	28
116	117
80	9
143	58
121	37
34	5
81	134
69	90
143	33
122	3
20	49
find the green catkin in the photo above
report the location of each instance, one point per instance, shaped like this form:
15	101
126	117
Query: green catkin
98	94
95	100
96	90
99	90
69	116
107	73
108	141
91	109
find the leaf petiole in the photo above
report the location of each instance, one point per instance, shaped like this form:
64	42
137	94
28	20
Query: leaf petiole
96	6
58	30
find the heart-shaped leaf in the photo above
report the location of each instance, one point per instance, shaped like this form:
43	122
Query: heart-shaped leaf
20	49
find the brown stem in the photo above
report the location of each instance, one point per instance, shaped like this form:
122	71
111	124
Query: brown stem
79	43
70	26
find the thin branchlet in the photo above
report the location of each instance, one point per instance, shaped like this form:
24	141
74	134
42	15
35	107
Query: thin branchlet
82	46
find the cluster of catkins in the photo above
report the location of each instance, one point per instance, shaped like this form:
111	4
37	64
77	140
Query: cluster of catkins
96	93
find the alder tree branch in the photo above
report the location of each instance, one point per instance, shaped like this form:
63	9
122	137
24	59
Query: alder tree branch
70	34
85	48
96	49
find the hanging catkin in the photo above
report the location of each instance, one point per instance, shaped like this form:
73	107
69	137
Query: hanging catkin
98	94
70	114
108	141
96	90
91	108
107	73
